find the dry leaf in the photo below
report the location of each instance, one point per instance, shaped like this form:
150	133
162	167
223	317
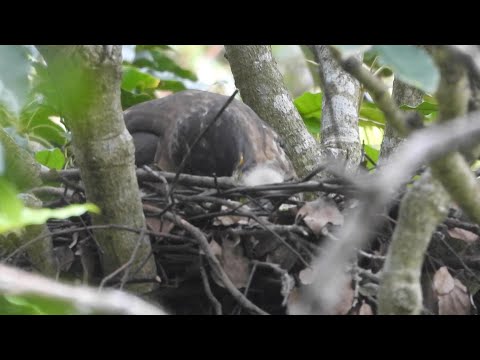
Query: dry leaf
216	249
453	297
443	282
317	214
365	309
233	260
159	225
229	220
462	234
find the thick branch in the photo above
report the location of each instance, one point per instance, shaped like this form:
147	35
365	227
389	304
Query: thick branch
262	88
340	105
87	80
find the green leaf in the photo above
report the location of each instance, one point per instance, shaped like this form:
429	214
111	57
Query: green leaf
411	64
51	158
35	121
34	305
14	68
370	112
133	79
309	105
10	205
373	153
370	134
2	160
156	59
313	125
129	99
153	47
14	216
349	50
171	85
40	216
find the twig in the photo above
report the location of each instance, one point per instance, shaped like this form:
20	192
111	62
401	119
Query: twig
214	263
92	227
125	266
208	291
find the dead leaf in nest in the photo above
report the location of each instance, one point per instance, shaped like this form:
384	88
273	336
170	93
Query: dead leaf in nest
159	225
64	256
453	297
443	282
462	234
317	214
365	309
216	249
233	261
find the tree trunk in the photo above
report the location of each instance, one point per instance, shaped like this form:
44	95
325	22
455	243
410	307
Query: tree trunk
340	137
262	88
87	79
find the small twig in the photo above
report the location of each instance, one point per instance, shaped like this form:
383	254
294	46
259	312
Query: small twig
92	227
237	309
125	266
371	256
214	263
262	225
208	291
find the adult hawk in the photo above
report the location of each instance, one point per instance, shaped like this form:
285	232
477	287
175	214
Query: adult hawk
239	144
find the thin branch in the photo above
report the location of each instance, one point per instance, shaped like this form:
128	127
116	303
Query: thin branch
85	299
214	263
125	266
208	291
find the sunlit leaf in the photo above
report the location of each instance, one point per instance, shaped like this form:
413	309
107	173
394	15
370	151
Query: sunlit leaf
2	160
51	158
309	105
370	112
10	205
371	134
373	155
14	216
133	78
